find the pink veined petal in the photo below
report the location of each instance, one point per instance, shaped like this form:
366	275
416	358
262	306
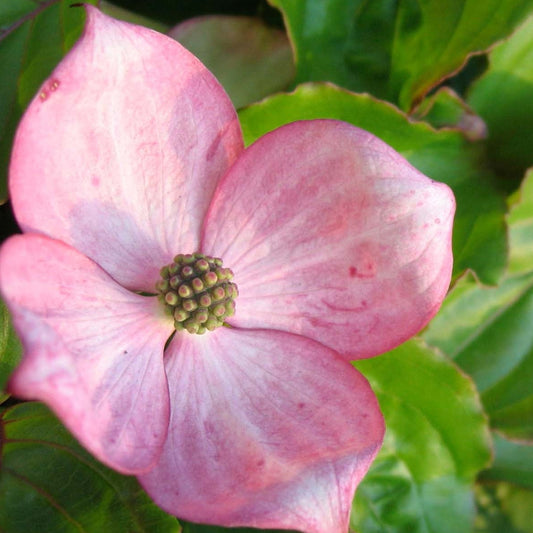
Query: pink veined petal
267	429
119	152
92	350
333	235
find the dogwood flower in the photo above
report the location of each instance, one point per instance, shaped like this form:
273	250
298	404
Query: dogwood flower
189	307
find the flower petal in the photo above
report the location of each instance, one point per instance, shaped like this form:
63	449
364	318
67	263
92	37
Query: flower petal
267	429
93	350
120	151
333	235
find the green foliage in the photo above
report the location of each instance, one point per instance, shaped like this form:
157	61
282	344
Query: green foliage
437	441
396	50
48	483
10	349
445	109
521	228
487	331
479	233
250	60
437	416
513	463
503	97
503	508
505	495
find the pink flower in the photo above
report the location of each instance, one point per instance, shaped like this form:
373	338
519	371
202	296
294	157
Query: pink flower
130	154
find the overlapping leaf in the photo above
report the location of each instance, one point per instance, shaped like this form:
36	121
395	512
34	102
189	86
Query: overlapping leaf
521	228
250	59
488	331
513	463
503	508
394	49
479	232
446	109
503	97
436	442
49	483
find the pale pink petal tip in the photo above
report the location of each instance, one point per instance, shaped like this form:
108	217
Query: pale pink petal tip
93	351
268	430
333	235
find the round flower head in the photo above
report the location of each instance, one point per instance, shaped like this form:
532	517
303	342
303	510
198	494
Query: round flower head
189	307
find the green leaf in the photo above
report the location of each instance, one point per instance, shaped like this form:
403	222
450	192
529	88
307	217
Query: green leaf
505	494
513	463
347	42
10	349
503	508
48	483
518	505
251	60
34	36
503	98
521	228
446	109
479	239
434	39
436	442
395	50
487	331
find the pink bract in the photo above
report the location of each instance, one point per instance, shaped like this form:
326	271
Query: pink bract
132	153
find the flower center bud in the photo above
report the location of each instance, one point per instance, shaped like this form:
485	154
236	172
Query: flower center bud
198	292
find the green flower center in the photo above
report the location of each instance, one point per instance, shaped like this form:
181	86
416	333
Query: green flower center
198	292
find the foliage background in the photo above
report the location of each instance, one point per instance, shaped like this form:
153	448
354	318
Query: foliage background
447	83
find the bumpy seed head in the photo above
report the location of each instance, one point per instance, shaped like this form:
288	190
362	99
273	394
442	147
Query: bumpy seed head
198	292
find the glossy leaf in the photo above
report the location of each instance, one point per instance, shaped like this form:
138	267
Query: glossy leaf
347	42
49	483
446	109
251	60
488	333
518	505
488	330
503	98
436	442
513	462
503	508
479	233
521	228
33	38
395	50
10	349
505	492
434	39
